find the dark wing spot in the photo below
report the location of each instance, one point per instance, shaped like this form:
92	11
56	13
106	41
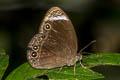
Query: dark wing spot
34	54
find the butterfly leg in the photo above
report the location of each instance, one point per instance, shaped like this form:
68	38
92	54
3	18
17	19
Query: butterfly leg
81	62
75	70
60	69
80	52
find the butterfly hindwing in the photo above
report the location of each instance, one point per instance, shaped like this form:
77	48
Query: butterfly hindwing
56	41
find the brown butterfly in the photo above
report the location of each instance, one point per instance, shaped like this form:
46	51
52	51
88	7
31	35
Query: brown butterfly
55	45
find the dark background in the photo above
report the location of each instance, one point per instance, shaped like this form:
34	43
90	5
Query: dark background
93	20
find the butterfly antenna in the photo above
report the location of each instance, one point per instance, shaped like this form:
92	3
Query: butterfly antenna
86	46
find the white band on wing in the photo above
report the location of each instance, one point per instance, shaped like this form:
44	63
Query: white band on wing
62	17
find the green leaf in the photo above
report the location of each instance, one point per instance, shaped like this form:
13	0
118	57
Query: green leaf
4	60
2	52
26	72
67	73
101	59
35	79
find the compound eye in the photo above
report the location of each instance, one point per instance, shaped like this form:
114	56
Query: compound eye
47	26
34	54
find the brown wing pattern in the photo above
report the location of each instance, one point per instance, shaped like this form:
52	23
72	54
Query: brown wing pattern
56	41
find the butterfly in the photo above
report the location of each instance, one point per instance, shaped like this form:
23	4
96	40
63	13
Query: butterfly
55	45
